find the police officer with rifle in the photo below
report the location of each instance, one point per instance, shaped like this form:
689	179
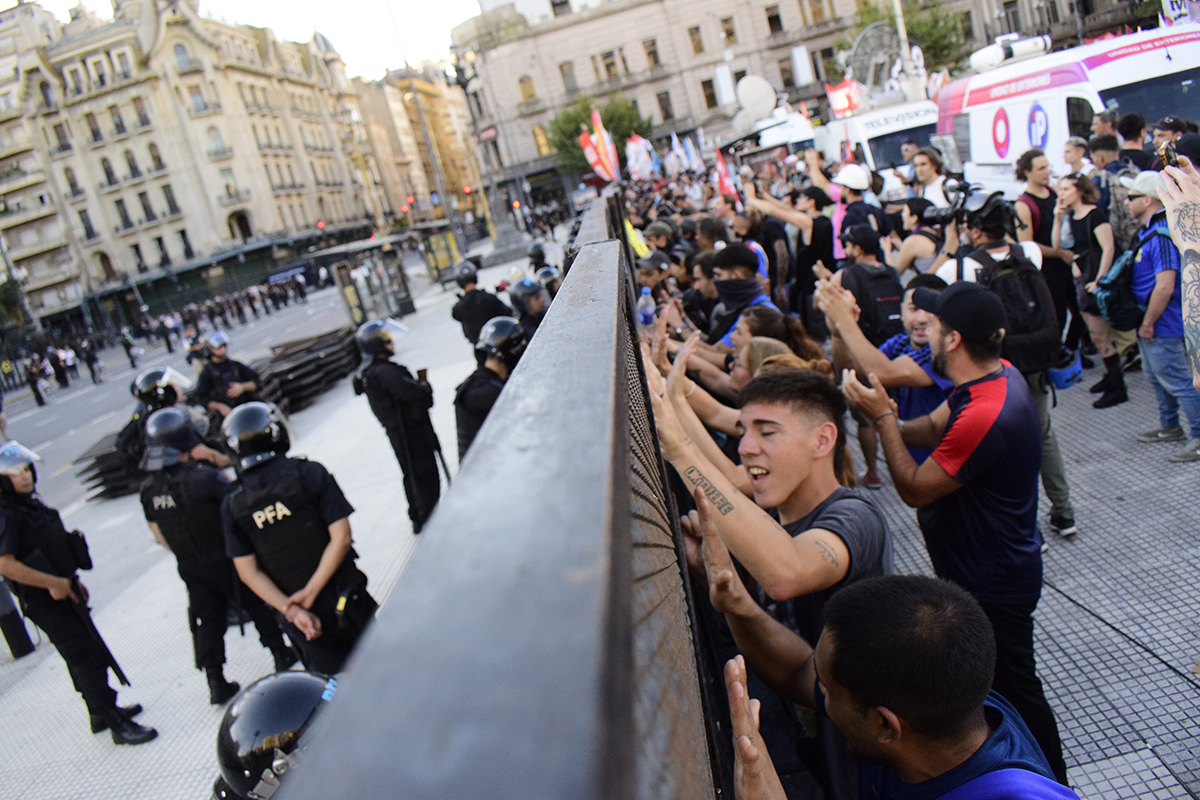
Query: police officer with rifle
38	558
287	529
401	403
182	503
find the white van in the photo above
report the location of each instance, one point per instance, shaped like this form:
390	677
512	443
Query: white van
996	115
875	137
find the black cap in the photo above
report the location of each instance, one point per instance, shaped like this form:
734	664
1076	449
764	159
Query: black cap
818	196
1171	123
654	261
863	236
967	307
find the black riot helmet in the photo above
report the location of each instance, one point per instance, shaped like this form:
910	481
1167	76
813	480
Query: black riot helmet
465	274
550	279
524	295
257	432
373	336
502	338
160	387
260	735
537	254
169	433
14	457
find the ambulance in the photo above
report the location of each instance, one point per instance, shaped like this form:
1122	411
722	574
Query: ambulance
997	114
874	138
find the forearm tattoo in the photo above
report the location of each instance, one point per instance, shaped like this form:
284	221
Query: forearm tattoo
719	501
1187	222
1191	306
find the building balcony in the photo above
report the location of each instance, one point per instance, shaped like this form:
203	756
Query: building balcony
89	238
156	169
530	107
190	66
16	148
15	178
125	228
75	195
288	188
119	132
60	271
62	149
205	110
149	222
233	197
14	216
133	177
36	249
47	107
220	153
173	212
110	186
143	121
97	140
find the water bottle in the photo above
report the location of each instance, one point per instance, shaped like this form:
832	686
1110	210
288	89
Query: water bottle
645	310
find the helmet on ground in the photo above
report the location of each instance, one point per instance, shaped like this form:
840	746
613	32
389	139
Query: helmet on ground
160	387
1068	371
15	456
260	735
502	338
257	432
523	294
373	337
169	433
465	274
550	279
216	339
537	253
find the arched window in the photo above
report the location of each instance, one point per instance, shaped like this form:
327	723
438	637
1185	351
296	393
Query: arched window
215	142
131	162
526	84
182	59
156	157
106	267
72	183
542	141
47	94
109	174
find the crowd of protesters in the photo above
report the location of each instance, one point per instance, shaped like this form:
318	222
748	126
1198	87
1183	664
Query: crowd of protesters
938	319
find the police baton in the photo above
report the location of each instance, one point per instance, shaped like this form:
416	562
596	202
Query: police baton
437	448
85	615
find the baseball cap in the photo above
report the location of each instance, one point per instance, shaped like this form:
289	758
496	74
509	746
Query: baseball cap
861	235
1171	123
852	176
1144	183
967	307
654	261
818	196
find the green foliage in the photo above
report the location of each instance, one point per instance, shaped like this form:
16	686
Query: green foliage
619	115
11	315
936	29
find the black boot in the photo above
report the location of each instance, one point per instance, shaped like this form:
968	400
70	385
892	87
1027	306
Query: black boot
100	723
1114	390
126	731
219	689
285	657
1101	385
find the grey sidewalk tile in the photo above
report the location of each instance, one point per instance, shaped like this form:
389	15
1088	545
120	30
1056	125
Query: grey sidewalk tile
1136	775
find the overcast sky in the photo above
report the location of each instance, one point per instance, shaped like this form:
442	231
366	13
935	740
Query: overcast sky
361	30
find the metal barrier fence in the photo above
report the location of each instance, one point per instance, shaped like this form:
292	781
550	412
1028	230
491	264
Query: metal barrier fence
540	643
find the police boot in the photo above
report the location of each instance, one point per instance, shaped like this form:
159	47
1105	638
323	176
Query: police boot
285	657
100	722
125	730
219	689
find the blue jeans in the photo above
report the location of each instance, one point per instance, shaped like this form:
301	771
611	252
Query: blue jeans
1165	363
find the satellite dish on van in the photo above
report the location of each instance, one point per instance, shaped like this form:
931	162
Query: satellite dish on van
756	96
874	52
743	122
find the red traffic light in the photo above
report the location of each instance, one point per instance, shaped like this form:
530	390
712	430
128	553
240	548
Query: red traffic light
320	224
409	200
466	190
516	203
404	209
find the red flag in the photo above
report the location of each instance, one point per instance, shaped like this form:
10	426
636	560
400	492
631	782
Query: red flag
607	152
724	182
593	158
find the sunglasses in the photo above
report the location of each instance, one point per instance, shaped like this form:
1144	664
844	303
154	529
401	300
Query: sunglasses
1134	196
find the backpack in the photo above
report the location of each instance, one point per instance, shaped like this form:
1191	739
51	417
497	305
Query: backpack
878	293
1032	339
1124	224
1114	292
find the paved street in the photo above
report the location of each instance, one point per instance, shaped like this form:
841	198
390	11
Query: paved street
1117	625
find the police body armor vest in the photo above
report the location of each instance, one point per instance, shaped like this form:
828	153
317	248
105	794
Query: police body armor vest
42	532
192	530
283	525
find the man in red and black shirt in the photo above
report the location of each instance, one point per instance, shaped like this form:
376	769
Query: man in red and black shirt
977	493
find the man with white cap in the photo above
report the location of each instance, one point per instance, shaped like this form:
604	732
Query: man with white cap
1155	281
847	189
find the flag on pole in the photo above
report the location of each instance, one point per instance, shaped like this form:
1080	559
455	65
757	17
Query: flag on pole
677	150
604	146
590	153
724	182
695	162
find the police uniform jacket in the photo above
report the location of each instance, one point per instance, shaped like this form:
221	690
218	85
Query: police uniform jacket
34	533
184	500
475	308
398	399
473	399
215	378
280	512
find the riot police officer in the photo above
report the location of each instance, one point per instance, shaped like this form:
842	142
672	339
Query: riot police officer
38	558
531	302
550	279
224	383
287	529
401	403
537	257
182	503
501	343
475	306
156	388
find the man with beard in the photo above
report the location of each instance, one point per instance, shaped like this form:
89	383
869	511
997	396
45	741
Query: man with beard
977	494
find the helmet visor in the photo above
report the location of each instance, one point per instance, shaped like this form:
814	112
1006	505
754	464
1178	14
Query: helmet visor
182	383
390	330
14	457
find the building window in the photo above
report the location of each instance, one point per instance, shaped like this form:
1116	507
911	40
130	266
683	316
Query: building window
541	141
215	143
651	47
147	209
85	219
477	95
131	162
710	93
139	106
610	64
109	174
786	76
169	196
494	149
182	59
118	122
697	42
188	252
965	23
774	21
76	82
729	31
123	213
596	68
816	8
106	266
527	92
737	76
101	78
1012	16
136	249
90	119
566	69
164	258
60	135
197	99
664	106
624	61
156	158
72	183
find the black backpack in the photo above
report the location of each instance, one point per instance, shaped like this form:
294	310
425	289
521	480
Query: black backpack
1032	339
879	293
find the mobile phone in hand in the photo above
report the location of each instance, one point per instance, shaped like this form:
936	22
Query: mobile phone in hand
1166	151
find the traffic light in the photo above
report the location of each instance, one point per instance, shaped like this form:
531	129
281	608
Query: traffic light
320	224
516	203
409	200
404	209
466	190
